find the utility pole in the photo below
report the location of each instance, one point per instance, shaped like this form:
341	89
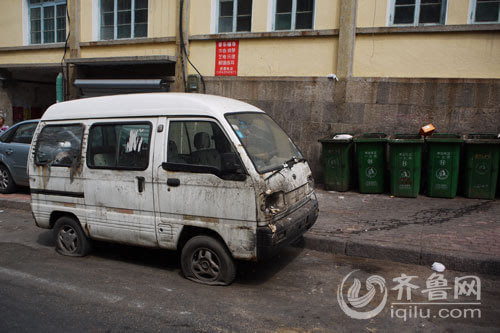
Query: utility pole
182	45
347	38
74	46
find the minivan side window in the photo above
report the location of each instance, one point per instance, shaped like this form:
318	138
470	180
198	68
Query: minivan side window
197	143
122	146
59	145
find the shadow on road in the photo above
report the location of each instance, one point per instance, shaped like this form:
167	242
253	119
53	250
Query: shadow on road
46	238
248	273
255	273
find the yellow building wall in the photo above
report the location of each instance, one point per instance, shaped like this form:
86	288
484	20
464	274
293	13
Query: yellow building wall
372	13
162	16
199	17
453	55
86	20
131	50
11	31
458	11
32	56
260	15
327	14
272	57
161	19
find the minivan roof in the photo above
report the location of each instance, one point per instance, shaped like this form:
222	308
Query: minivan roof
141	105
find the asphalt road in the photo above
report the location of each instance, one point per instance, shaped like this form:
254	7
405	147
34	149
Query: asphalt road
119	288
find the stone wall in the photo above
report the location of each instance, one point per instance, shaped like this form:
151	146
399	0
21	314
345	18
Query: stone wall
312	108
5	105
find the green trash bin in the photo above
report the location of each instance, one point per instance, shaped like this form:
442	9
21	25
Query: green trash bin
443	164
337	161
370	151
481	169
405	152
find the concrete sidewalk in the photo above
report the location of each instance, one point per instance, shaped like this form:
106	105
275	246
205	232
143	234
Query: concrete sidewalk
463	234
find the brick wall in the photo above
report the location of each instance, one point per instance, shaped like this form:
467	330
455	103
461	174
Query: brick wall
312	108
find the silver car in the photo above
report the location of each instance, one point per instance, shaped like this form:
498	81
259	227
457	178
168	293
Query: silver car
14	148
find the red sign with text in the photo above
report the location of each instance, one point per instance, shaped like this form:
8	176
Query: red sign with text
226	58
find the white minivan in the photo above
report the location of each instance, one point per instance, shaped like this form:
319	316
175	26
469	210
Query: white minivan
212	177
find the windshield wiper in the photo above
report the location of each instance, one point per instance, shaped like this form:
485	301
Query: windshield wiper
291	162
287	164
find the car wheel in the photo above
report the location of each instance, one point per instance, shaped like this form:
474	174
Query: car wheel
7	184
70	239
205	260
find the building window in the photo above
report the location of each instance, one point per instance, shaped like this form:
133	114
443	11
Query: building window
486	11
235	15
124	19
418	12
47	21
294	14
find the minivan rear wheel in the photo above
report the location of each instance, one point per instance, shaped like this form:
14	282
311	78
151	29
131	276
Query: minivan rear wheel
206	260
7	184
70	239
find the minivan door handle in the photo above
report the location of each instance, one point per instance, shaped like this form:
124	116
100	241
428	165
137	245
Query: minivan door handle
173	182
9	151
140	183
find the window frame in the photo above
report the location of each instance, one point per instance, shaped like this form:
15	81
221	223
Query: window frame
140	122
472	16
235	19
294	16
115	21
45	4
37	143
416	15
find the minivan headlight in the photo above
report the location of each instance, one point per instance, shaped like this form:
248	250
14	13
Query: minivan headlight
274	202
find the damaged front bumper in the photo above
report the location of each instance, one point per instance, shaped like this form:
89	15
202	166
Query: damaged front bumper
272	238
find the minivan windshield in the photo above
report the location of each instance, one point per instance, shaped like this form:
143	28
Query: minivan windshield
265	142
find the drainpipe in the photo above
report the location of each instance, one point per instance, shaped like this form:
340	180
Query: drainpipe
59	88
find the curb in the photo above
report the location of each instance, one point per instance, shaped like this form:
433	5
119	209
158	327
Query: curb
459	261
15	204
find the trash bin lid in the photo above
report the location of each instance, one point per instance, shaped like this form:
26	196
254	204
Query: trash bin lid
337	138
406	138
445	138
482	138
370	137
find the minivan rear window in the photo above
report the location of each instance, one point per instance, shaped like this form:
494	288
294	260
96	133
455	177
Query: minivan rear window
59	145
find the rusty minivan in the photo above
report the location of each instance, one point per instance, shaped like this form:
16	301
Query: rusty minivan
212	177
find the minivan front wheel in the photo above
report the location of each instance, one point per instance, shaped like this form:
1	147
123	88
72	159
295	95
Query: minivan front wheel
70	239
7	184
205	260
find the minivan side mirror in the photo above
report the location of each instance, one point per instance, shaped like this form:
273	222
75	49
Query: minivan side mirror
230	163
231	167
